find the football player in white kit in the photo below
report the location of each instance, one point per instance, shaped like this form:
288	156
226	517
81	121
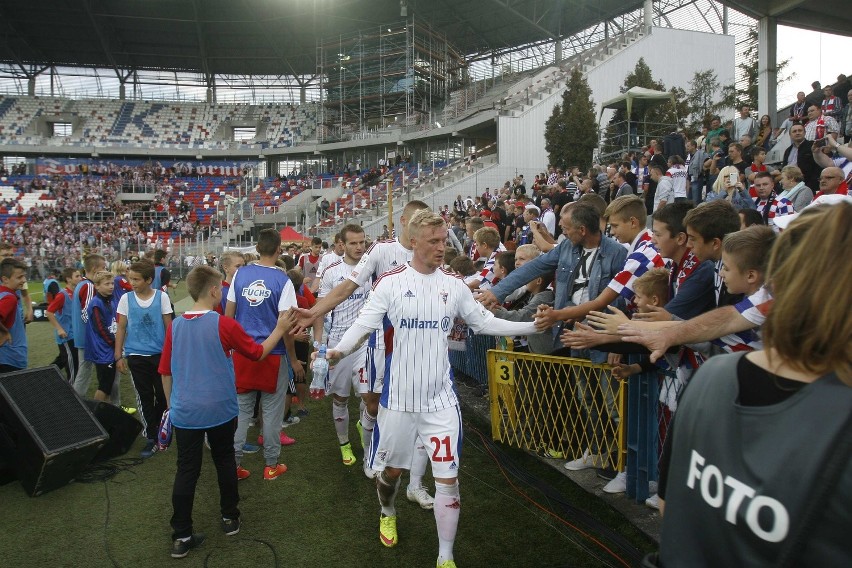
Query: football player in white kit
333	255
418	401
351	371
383	256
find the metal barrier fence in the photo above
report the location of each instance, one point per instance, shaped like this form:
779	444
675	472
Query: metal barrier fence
557	404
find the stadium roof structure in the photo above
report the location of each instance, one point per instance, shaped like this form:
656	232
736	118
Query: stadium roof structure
828	16
265	37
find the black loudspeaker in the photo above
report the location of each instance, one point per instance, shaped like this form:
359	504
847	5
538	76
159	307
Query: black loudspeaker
52	433
121	427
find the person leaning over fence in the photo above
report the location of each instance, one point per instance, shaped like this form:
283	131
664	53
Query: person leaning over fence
200	390
585	263
763	505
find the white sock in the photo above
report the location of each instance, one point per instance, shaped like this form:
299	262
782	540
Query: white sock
447	508
418	466
368	422
340	414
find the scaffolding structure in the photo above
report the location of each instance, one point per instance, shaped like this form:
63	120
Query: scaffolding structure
385	77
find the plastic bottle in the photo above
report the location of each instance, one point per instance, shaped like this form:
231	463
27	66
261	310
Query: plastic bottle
320	372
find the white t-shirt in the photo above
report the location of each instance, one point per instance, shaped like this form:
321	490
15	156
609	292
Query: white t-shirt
582	276
344	314
678	176
665	192
165	303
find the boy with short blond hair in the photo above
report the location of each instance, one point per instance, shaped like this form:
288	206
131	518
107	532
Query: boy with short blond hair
627	217
487	241
231	261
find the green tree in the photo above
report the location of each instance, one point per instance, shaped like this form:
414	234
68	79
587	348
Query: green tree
571	134
736	98
705	99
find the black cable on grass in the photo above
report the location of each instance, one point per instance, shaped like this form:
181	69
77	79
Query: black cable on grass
275	559
626	553
106	526
104	472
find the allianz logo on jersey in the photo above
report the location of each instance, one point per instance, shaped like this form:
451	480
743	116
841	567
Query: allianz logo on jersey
256	292
417	323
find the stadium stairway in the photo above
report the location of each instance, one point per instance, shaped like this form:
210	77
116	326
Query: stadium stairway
528	93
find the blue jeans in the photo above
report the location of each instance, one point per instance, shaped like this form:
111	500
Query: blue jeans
696	188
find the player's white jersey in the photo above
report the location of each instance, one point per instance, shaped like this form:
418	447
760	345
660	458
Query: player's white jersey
327	260
421	308
341	318
381	257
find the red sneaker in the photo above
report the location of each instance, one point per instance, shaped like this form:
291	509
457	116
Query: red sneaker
242	473
286	440
270	473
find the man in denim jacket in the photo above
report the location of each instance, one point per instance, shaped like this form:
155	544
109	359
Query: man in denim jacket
603	258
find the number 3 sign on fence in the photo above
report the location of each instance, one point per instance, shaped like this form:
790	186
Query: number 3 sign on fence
505	373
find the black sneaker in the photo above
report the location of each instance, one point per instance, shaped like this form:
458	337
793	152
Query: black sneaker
180	548
606	473
230	526
149	450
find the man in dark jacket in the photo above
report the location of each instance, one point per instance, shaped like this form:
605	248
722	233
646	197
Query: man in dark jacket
801	154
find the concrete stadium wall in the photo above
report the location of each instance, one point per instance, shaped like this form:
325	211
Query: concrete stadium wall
673	56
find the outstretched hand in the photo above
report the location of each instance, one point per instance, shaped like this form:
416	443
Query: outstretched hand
607	322
303	319
655	341
583	337
545	318
654	313
486	298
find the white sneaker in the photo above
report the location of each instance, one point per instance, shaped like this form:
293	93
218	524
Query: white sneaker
420	496
653	501
370	472
291	421
618	484
587	461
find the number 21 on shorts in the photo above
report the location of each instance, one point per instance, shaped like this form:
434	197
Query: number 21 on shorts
441	452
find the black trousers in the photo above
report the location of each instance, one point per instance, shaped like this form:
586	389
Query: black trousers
190	444
68	359
149	387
